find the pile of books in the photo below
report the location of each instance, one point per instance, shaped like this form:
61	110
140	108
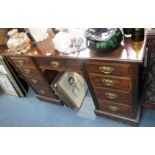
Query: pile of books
10	82
71	88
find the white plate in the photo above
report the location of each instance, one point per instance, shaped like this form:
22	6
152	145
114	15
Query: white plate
62	41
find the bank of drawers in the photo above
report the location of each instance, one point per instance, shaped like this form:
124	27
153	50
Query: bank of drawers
27	67
112	85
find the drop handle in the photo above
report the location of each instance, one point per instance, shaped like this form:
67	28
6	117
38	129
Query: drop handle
106	69
20	62
112	108
42	91
55	63
111	95
108	82
27	71
34	81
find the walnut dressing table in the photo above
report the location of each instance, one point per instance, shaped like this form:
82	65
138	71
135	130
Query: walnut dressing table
112	78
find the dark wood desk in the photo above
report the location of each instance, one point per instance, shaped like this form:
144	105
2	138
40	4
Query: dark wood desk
112	77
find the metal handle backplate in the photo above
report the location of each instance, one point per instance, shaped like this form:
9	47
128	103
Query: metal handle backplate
111	95
55	63
21	62
106	69
112	108
108	82
42	91
34	81
27	71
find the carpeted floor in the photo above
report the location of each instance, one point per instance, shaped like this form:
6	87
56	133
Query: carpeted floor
31	112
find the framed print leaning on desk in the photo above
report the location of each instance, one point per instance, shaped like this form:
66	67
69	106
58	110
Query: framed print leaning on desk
71	88
7	86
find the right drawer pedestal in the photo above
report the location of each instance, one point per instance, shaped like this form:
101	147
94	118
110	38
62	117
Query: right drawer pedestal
115	87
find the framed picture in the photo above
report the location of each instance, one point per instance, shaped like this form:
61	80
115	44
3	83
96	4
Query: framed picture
7	86
71	88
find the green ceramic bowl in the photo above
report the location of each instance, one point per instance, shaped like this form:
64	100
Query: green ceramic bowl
103	40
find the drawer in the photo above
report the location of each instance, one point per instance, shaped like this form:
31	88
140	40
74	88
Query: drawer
23	62
37	81
115	108
121	83
29	72
44	91
57	63
104	68
113	95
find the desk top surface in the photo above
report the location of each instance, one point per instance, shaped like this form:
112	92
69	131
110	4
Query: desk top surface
128	51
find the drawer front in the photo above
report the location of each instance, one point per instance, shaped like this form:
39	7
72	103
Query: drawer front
29	72
109	68
57	63
37	81
122	83
23	62
44	91
113	95
115	108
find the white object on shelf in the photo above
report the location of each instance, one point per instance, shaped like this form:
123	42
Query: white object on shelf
70	41
39	34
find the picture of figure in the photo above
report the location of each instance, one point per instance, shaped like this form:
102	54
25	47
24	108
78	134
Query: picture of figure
72	88
75	85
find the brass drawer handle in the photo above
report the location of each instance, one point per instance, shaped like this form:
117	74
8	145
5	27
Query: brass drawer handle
111	95
27	71
108	82
55	63
42	91
112	108
106	69
34	81
20	62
